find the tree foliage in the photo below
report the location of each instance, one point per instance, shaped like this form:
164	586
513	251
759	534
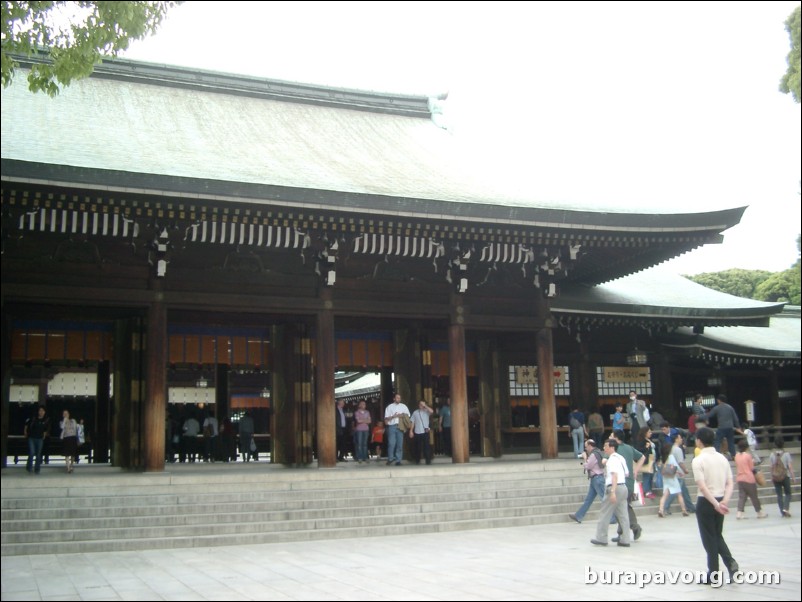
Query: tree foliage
75	36
738	282
757	284
790	81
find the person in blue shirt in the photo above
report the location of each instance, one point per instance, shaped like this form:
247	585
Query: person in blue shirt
576	420
618	418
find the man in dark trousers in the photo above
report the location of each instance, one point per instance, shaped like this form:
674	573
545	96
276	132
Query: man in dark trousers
713	476
634	460
727	422
36	430
341	429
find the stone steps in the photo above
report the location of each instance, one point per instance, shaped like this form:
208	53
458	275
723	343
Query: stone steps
102	509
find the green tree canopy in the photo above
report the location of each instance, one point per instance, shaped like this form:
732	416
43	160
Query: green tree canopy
738	282
76	35
790	81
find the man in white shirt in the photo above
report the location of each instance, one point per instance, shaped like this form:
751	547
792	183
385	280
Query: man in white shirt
395	438
713	477
615	498
420	432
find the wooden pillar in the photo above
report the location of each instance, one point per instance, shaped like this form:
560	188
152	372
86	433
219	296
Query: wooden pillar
325	352
583	381
283	432
155	406
546	400
774	392
101	439
426	371
663	390
6	391
458	385
293	420
127	391
408	369
304	416
221	392
407	366
489	398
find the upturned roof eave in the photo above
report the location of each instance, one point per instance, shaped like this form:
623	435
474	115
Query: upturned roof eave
376	205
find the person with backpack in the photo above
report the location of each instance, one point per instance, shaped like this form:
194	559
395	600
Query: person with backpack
576	420
782	473
594	467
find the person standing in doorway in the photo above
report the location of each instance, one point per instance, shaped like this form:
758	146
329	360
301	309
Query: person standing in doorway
445	425
377	438
36	430
246	430
361	431
713	477
211	429
395	438
342	427
420	432
69	438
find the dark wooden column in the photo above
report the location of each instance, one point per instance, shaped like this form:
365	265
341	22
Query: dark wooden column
222	392
663	390
283	377
458	385
774	391
128	344
407	365
6	391
155	406
101	439
546	401
293	419
304	414
490	398
426	371
583	380
325	352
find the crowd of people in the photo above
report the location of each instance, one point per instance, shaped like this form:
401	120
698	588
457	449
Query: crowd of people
656	450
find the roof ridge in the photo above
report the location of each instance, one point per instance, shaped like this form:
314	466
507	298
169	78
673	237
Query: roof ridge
410	105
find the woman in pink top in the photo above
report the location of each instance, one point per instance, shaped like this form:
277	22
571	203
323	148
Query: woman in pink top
361	431
745	477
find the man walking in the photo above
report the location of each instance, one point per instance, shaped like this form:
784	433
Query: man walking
713	477
36	429
634	460
727	421
615	499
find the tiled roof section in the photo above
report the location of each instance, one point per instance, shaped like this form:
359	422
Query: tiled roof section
157	128
658	295
779	343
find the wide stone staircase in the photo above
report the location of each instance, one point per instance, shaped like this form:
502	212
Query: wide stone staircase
100	508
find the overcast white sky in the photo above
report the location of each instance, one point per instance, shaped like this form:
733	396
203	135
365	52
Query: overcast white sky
639	105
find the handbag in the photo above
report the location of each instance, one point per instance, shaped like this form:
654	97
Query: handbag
759	478
639	497
404	423
669	470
